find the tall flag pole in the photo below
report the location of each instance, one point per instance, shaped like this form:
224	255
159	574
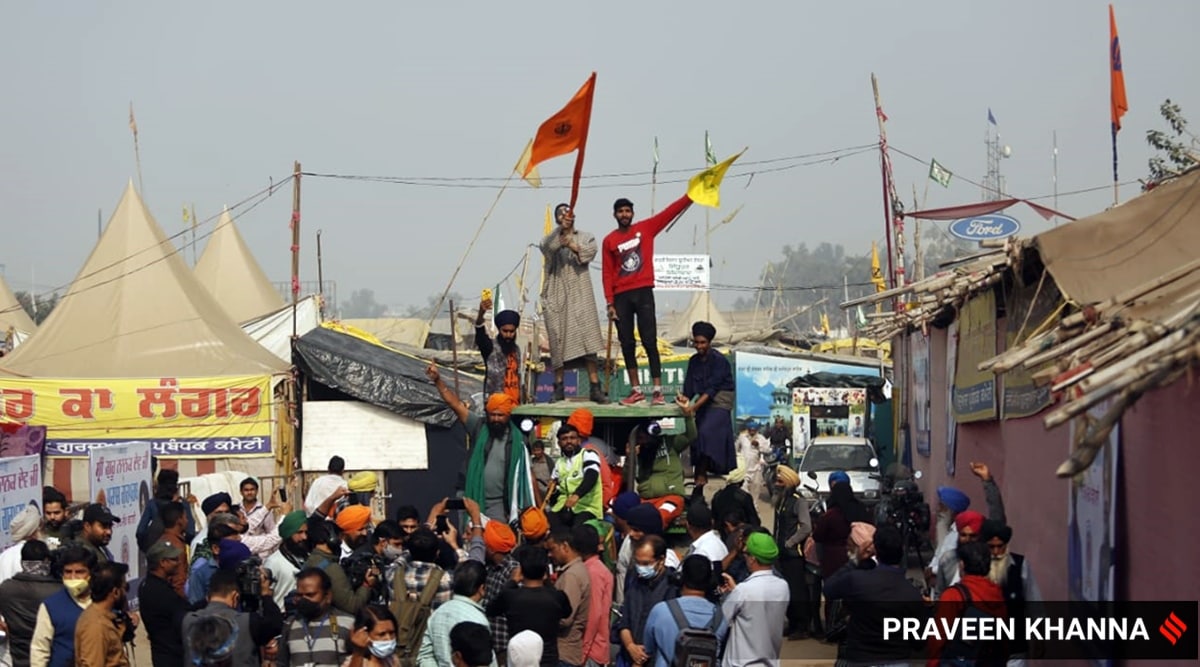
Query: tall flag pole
892	208
1119	105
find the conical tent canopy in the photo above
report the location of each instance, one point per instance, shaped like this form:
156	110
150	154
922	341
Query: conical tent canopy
12	314
700	309
233	277
135	310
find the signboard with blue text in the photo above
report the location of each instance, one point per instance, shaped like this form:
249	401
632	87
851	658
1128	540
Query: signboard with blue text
985	227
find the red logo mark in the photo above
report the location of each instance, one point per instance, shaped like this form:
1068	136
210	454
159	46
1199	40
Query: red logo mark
1172	628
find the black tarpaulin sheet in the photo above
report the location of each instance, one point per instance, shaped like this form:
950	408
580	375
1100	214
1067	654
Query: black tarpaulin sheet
378	375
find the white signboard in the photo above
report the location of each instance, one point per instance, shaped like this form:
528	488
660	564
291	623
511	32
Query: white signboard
20	487
368	437
120	479
681	272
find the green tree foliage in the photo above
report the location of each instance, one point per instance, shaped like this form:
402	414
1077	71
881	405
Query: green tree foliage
1178	149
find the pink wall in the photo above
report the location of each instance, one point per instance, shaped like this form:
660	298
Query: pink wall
1159	466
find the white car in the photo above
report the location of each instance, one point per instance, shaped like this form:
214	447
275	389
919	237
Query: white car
829	454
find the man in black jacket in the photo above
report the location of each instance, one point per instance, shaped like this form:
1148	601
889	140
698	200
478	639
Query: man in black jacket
872	595
162	607
21	596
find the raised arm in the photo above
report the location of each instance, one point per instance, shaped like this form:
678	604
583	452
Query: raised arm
452	401
483	342
659	221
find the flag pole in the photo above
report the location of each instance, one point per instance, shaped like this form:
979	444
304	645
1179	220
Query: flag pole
1115	180
654	177
442	299
295	245
137	153
892	252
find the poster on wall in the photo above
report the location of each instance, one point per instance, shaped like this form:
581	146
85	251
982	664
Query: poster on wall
921	424
20	487
974	395
119	478
951	424
1092	517
21	440
762	392
1028	307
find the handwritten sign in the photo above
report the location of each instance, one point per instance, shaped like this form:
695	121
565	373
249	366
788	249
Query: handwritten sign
681	272
119	477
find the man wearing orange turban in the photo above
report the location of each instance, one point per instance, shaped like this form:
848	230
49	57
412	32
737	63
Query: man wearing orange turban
498	476
355	523
500	540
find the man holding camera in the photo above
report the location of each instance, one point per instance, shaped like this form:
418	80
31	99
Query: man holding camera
326	556
255	629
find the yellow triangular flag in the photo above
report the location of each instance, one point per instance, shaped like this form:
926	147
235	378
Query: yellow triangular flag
705	187
549	226
876	271
825	323
533	178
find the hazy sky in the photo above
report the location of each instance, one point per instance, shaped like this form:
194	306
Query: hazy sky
228	94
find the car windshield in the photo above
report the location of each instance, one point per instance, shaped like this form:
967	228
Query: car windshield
837	457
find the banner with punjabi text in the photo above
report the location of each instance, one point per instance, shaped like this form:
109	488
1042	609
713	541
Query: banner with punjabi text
20	487
215	417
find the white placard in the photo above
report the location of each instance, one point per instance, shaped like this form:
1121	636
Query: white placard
119	476
368	437
20	487
681	272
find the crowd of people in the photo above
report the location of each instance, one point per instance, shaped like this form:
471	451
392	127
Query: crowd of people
537	560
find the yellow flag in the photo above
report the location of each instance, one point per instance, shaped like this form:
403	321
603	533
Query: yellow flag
533	178
705	188
825	323
549	226
876	271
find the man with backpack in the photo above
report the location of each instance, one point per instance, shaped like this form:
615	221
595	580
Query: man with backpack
974	596
684	630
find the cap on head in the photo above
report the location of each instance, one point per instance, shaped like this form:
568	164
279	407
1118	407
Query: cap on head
163	550
97	513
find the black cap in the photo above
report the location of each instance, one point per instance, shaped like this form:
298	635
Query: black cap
97	513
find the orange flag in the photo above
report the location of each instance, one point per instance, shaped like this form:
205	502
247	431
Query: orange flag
1119	104
564	132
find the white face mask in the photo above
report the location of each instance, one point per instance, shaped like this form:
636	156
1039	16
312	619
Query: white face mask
383	648
646	571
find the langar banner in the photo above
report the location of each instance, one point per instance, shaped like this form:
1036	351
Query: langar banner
216	417
20	487
974	395
119	477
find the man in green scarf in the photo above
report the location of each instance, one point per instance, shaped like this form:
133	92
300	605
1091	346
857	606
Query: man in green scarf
498	475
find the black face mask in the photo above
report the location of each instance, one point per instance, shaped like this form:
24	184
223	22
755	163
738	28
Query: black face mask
308	610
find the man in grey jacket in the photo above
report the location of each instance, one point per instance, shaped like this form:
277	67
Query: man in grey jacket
255	629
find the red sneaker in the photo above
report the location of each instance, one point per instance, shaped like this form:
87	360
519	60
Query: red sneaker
634	398
657	399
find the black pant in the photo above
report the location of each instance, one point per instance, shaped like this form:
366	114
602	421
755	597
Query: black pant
799	610
638	303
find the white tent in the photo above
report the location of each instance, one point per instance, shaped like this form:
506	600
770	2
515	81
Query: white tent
136	310
13	315
274	330
231	274
701	308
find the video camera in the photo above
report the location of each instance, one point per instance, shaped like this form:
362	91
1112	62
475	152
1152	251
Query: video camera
357	565
249	582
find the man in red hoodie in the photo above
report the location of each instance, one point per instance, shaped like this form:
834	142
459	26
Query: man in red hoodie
974	596
628	262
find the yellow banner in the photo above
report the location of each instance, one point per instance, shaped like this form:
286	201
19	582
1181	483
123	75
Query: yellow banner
181	417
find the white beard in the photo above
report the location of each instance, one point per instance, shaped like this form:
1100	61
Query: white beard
999	572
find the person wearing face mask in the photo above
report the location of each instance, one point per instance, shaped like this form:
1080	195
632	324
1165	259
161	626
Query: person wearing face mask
53	643
289	558
318	635
374	638
648	583
254	630
498	475
101	630
21	595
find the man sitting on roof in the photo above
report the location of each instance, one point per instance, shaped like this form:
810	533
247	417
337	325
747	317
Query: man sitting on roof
498	476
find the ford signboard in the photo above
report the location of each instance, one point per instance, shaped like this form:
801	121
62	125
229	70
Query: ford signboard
985	227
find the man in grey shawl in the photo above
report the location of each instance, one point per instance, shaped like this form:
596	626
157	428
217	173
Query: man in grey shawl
569	302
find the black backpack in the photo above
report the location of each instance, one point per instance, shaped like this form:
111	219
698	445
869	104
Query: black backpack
961	653
695	647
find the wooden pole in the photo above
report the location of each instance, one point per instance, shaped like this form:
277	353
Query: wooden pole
454	346
608	361
295	243
883	170
320	278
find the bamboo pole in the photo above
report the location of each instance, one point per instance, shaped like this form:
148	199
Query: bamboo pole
1133	294
1101	332
295	243
454	347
